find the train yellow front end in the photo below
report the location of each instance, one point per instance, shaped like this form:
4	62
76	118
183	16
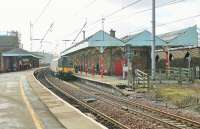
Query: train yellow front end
65	67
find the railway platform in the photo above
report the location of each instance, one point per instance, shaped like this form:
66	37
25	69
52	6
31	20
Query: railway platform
27	104
111	84
108	80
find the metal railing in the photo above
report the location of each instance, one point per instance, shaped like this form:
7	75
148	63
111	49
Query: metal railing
172	75
141	78
176	74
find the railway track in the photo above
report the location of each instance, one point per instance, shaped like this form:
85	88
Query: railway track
83	107
164	119
170	120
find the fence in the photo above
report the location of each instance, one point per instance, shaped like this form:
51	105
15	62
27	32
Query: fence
178	74
173	75
141	78
196	72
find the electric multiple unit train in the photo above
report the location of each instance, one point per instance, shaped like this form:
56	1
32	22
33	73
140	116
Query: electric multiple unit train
62	68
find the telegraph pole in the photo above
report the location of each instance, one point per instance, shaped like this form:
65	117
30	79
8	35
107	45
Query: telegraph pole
65	42
102	22
49	29
31	25
130	72
153	66
79	32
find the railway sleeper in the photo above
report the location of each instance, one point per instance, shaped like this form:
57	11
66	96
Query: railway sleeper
110	124
161	114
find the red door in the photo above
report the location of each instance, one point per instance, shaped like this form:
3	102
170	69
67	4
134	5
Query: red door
118	67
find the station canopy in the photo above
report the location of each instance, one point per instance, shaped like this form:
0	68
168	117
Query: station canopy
184	37
18	52
142	39
100	40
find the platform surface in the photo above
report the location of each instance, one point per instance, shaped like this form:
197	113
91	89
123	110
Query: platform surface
25	104
110	80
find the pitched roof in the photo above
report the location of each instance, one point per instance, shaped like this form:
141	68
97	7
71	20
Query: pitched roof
184	37
141	39
18	52
99	39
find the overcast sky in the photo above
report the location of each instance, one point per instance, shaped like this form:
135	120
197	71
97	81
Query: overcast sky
69	16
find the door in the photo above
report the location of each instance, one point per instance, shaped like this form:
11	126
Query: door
118	67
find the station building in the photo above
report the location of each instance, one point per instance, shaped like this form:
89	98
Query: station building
18	59
140	44
12	57
100	51
105	50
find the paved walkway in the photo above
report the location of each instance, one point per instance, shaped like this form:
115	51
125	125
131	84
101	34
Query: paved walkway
25	104
110	80
20	108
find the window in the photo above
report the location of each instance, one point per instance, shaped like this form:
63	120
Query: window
135	53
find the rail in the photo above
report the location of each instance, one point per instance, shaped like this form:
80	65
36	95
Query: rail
150	109
146	108
98	113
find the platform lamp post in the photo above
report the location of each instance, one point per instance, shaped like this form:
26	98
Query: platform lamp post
31	26
167	60
101	62
129	61
189	66
153	66
189	59
101	59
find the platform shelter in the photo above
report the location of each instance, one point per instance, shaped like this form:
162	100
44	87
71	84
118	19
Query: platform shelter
100	53
18	59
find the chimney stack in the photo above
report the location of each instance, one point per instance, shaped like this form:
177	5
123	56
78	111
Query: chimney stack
112	33
84	35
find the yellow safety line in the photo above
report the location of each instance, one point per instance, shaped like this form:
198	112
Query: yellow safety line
30	109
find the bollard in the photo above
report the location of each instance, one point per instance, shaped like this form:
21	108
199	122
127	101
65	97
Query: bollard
93	70
81	69
192	75
148	82
197	72
102	70
180	77
160	77
86	69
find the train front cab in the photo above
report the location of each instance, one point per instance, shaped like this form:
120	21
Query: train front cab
66	68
